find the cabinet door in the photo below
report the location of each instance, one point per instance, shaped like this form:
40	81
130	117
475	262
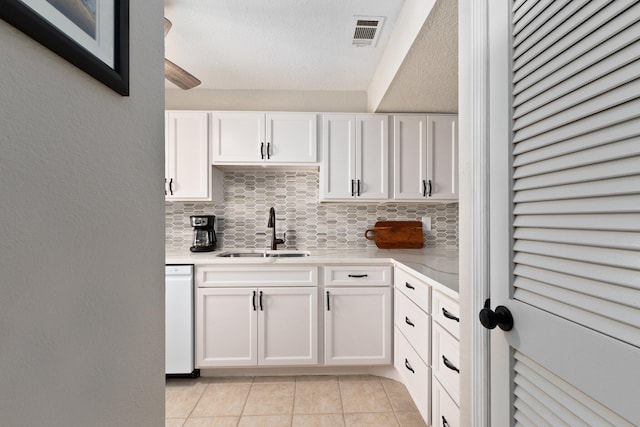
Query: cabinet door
291	137
357	326
338	168
372	157
226	327
238	138
410	157
288	326
442	141
187	156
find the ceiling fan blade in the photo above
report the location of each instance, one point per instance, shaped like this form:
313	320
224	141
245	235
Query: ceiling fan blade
167	26
178	76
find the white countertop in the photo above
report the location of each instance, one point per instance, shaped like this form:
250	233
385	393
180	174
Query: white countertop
430	264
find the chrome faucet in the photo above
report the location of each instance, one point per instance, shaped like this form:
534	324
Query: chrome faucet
272	224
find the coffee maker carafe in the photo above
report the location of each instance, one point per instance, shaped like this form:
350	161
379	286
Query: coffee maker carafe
204	236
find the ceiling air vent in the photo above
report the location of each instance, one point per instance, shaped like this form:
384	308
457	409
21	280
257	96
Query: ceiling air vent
367	30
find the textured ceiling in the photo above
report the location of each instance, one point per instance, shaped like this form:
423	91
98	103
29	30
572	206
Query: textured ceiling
275	44
428	77
305	45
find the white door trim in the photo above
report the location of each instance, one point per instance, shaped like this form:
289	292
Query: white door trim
474	218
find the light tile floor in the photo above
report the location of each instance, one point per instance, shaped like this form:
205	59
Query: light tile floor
302	401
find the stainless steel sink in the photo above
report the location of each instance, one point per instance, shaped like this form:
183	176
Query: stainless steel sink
258	253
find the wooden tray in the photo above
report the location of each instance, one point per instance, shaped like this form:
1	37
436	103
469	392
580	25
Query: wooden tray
396	234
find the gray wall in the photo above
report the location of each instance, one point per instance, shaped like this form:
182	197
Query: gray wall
81	236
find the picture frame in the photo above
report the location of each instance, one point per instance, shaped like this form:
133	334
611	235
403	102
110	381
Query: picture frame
92	35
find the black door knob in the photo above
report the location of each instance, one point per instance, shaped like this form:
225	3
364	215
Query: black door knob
501	317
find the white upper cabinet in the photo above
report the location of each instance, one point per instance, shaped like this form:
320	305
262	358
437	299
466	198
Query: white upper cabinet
257	138
442	146
425	153
410	157
188	173
354	157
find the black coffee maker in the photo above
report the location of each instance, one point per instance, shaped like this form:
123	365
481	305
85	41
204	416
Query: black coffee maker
204	236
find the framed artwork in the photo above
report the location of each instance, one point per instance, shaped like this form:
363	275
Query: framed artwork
93	35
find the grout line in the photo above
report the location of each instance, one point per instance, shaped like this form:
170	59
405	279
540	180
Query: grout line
198	401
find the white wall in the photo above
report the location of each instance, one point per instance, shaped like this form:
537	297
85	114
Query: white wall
266	100
81	236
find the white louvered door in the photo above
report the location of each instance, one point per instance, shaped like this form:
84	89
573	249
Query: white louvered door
565	211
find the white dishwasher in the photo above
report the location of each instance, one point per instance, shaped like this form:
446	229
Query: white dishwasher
179	319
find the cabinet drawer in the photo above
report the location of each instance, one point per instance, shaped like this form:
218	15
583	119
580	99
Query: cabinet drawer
369	275
417	290
446	361
445	411
416	375
414	325
446	312
246	275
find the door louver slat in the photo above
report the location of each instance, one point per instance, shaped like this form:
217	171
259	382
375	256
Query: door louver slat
543	23
612	204
605	291
583	408
543	93
581	126
619	222
614	151
551	32
614	88
580	143
565	47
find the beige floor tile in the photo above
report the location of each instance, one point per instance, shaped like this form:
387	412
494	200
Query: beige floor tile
318	420
212	422
227	380
275	379
410	419
265	421
363	396
383	419
315	378
351	378
270	399
222	400
317	397
174	422
399	396
181	396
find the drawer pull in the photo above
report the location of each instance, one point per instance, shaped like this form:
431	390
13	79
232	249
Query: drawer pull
408	322
448	315
409	285
449	364
406	365
358	276
444	422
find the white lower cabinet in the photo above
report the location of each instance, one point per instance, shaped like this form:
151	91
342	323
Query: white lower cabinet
416	375
256	326
446	361
445	410
357	315
287	326
357	326
413	344
242	324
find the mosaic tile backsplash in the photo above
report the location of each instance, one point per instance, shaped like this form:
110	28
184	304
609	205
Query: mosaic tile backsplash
248	195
